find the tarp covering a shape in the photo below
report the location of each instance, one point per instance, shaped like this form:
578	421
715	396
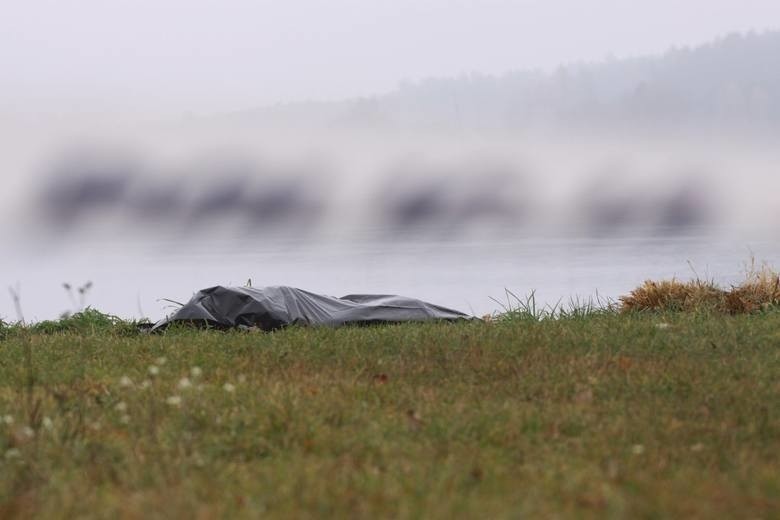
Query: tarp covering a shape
271	308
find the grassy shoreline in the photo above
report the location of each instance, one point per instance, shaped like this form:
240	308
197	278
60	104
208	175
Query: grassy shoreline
592	414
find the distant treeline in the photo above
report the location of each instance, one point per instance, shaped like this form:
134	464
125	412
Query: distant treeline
732	82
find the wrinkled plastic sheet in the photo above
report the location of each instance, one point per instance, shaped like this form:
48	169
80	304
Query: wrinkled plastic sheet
272	308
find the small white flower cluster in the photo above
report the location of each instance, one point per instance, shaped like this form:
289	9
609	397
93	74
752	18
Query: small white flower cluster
173	400
8	419
121	406
154	369
13	453
186	383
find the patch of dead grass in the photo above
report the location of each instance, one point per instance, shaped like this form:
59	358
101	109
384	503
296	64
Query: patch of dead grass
759	291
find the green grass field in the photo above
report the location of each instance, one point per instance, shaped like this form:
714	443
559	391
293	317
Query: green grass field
605	414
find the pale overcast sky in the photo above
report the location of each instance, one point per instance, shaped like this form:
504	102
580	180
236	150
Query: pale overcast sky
172	56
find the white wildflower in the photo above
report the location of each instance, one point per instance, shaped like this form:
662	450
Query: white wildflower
662	326
196	372
8	419
153	370
173	400
125	382
161	360
229	388
184	383
47	423
28	432
121	406
146	384
13	453
637	449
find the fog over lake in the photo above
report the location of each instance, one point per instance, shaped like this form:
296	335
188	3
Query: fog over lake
575	183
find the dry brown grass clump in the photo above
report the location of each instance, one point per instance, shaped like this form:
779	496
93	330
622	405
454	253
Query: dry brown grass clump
759	291
673	295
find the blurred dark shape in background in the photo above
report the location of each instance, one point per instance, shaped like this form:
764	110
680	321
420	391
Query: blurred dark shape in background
80	188
611	204
414	204
493	198
451	200
288	202
447	198
218	197
153	204
690	204
223	196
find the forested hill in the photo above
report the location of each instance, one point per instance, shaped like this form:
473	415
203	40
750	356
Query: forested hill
731	82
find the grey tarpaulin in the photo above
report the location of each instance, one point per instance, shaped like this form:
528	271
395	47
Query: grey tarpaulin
272	308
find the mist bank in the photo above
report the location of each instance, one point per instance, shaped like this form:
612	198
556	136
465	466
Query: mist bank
730	84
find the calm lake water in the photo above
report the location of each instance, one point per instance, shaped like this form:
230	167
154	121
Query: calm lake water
130	280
